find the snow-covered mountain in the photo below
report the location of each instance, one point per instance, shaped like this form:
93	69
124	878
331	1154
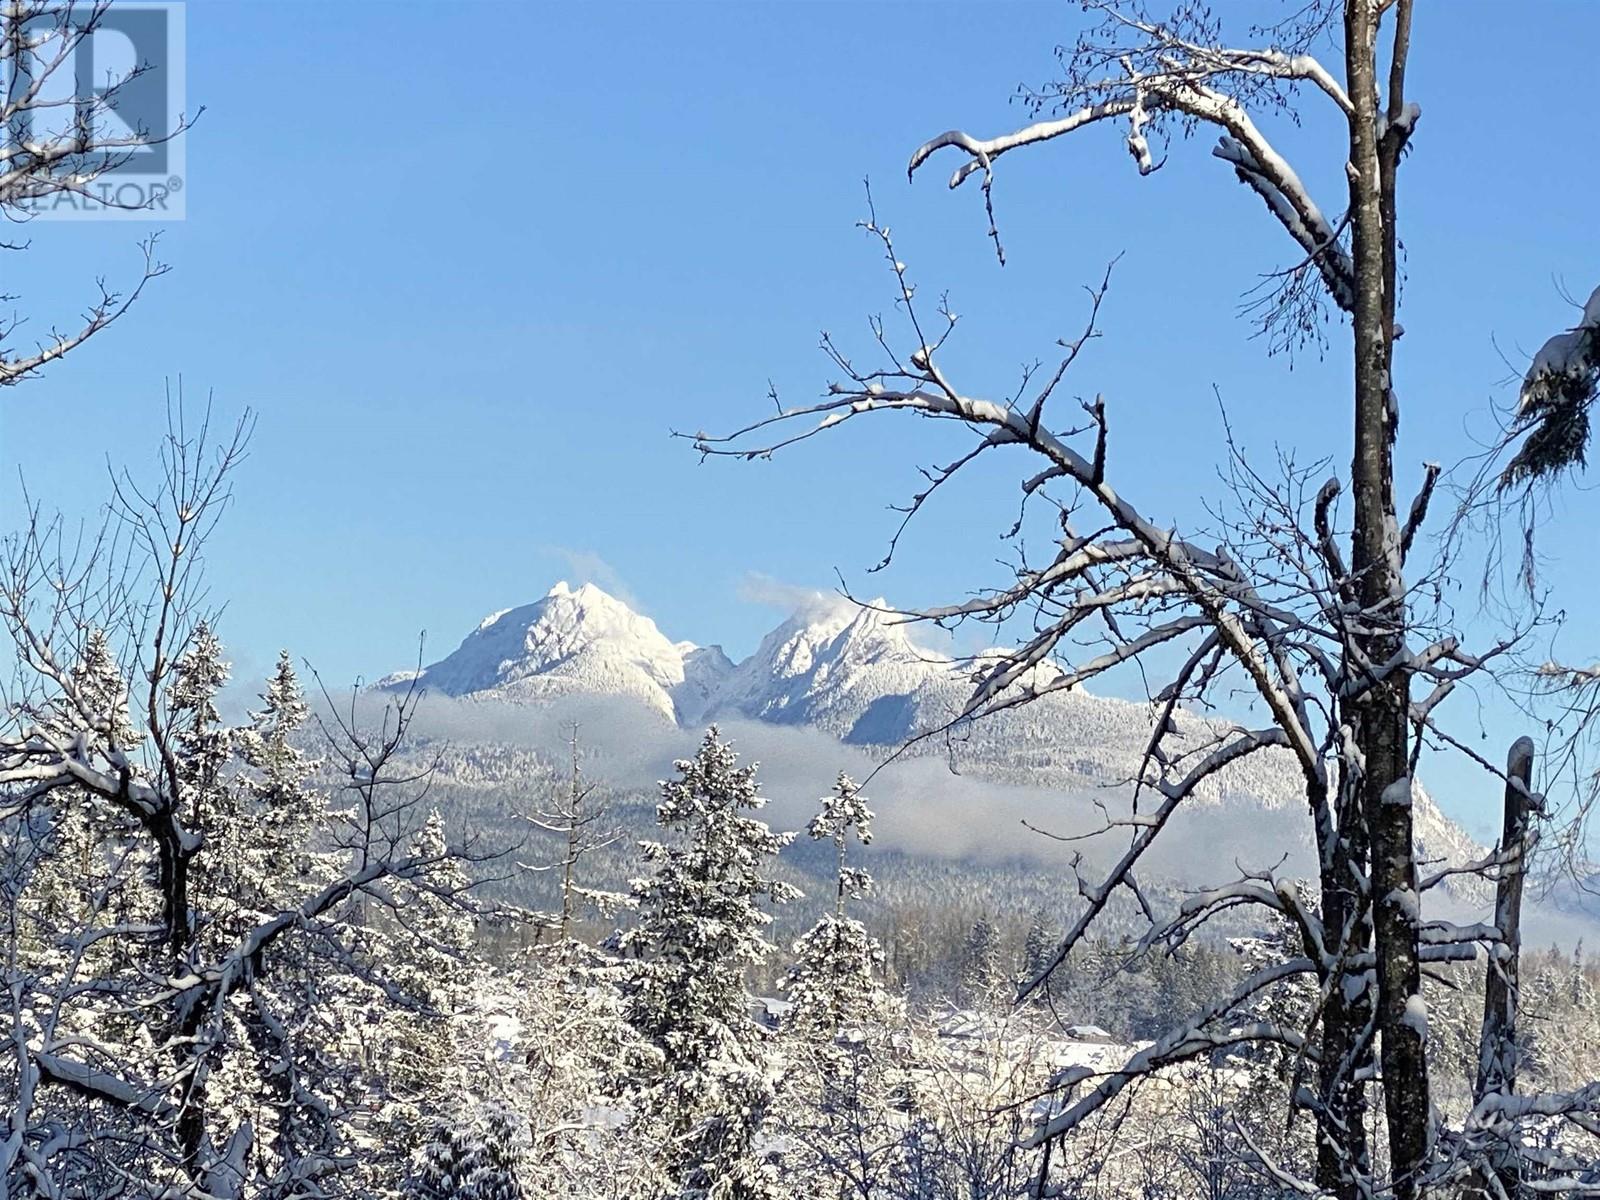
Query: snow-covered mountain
832	665
840	667
855	673
577	640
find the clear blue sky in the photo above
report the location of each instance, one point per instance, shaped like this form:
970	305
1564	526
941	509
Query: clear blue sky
471	262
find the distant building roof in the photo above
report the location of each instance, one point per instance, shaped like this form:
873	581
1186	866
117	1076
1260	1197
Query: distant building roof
770	1010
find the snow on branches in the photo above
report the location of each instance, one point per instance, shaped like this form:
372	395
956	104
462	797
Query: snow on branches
201	932
700	923
55	151
1130	66
833	978
1553	407
1315	634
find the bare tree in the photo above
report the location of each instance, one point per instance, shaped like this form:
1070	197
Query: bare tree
579	818
1318	624
55	145
143	1021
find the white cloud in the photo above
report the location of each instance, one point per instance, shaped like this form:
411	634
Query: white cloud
923	808
586	566
759	588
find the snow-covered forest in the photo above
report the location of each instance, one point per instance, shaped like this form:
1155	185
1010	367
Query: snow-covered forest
385	941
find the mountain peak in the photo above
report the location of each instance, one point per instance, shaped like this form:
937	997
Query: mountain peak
822	665
847	669
574	639
852	671
828	661
585	592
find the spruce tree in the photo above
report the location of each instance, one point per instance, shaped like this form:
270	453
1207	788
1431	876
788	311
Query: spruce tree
980	963
446	1161
834	976
1271	1076
701	923
270	846
430	952
838	1109
203	744
425	946
101	692
1036	948
493	1170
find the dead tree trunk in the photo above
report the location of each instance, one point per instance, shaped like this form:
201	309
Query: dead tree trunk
1343	1158
1497	1047
1379	643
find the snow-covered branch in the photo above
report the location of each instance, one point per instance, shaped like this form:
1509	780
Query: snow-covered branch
1161	73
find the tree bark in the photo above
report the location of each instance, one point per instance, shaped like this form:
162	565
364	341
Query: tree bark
1343	1159
1497	1048
1378	641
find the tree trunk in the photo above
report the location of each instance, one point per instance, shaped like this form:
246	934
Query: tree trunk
1497	1048
1343	1160
1379	639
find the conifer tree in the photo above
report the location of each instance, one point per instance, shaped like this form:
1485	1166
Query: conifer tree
425	945
267	744
100	690
446	1162
1272	1077
1036	947
432	950
1580	990
493	1170
74	848
203	744
980	963
701	924
838	1094
269	847
834	976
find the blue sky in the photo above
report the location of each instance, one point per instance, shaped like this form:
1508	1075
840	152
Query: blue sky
471	263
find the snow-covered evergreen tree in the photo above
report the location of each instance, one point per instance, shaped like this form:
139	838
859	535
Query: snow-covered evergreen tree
701	923
260	848
1269	1076
202	742
100	691
81	841
834	978
980	964
569	1043
494	1169
1036	947
286	804
425	945
838	1098
446	1162
431	951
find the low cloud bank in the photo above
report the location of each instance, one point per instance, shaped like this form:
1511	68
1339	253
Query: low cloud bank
923	808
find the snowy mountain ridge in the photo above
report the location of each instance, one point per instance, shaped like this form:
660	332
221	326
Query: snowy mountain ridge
854	672
832	664
820	663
